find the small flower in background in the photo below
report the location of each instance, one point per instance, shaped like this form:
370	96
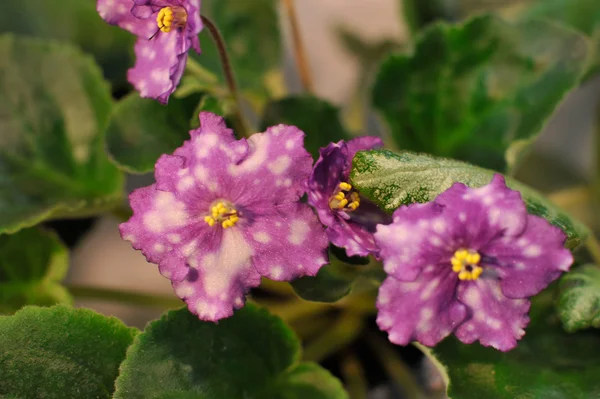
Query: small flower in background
466	263
166	30
350	220
225	212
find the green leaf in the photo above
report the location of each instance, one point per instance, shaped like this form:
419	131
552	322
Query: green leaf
470	90
251	31
315	117
141	130
60	353
547	364
579	300
391	180
249	355
33	262
54	110
76	22
583	15
333	282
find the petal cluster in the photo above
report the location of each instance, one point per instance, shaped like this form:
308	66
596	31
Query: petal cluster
161	55
466	264
224	212
350	219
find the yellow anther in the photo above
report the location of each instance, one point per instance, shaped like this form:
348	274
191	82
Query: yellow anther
355	197
224	214
473	258
210	221
345	186
171	17
342	203
466	264
353	205
340	196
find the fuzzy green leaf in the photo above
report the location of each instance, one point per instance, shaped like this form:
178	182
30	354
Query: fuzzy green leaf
76	22
468	91
391	180
250	355
579	300
547	363
53	113
33	262
141	130
60	353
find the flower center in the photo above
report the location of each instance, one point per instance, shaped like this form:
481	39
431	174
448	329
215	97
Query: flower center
223	213
345	198
466	264
171	17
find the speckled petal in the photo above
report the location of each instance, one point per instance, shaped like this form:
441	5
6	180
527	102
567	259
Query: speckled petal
288	242
158	65
495	320
424	310
420	235
162	226
275	169
118	12
484	212
529	263
218	284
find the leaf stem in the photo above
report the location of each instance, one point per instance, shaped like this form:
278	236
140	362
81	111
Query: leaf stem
395	367
134	298
340	334
354	376
239	120
299	50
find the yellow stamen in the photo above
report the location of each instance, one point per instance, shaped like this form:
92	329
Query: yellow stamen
222	213
345	186
171	17
345	199
466	264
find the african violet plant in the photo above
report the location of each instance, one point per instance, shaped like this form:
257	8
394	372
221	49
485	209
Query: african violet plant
426	230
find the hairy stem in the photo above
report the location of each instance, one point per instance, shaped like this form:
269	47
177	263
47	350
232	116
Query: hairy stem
239	120
299	51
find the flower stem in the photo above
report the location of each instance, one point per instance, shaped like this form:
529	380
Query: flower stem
239	120
133	298
299	51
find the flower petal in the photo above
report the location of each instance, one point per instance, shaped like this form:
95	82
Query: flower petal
221	279
118	12
159	64
484	212
529	263
421	235
495	320
424	310
162	226
350	230
275	168
288	242
360	144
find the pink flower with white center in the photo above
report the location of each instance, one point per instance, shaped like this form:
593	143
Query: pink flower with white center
224	212
166	30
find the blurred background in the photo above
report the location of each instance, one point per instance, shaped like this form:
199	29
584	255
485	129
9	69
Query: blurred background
344	41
